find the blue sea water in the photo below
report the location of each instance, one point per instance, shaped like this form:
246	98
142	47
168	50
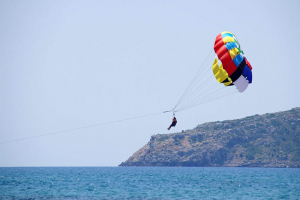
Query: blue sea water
148	183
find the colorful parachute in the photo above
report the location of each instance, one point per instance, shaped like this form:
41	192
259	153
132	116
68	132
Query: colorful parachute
235	68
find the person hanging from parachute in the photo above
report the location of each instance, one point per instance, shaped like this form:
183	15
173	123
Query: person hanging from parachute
234	70
174	122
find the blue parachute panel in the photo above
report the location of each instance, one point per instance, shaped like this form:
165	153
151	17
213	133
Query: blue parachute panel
238	59
226	35
248	73
230	45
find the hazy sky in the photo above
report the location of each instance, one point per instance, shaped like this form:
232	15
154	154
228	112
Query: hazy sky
71	64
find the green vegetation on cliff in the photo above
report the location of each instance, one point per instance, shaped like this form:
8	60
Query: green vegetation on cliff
269	140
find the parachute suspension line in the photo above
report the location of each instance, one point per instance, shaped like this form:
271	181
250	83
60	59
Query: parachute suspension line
209	100
203	97
210	89
203	89
78	128
208	97
202	79
194	92
199	80
170	111
199	74
199	95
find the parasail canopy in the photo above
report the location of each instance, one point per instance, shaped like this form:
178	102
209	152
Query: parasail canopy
234	69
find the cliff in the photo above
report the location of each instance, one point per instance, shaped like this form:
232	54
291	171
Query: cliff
269	140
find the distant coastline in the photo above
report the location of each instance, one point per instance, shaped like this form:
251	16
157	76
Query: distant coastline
271	140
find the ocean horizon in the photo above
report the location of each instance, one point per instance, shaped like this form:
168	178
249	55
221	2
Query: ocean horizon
149	183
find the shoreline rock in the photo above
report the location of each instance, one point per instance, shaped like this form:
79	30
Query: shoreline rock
269	140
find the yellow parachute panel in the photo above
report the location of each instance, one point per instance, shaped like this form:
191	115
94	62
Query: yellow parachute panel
228	39
215	66
233	52
220	74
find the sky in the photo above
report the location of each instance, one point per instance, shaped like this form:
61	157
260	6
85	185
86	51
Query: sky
70	65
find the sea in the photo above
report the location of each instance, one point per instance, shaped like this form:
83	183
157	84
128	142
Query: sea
149	183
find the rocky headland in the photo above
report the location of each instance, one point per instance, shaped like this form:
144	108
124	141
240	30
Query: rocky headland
269	140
